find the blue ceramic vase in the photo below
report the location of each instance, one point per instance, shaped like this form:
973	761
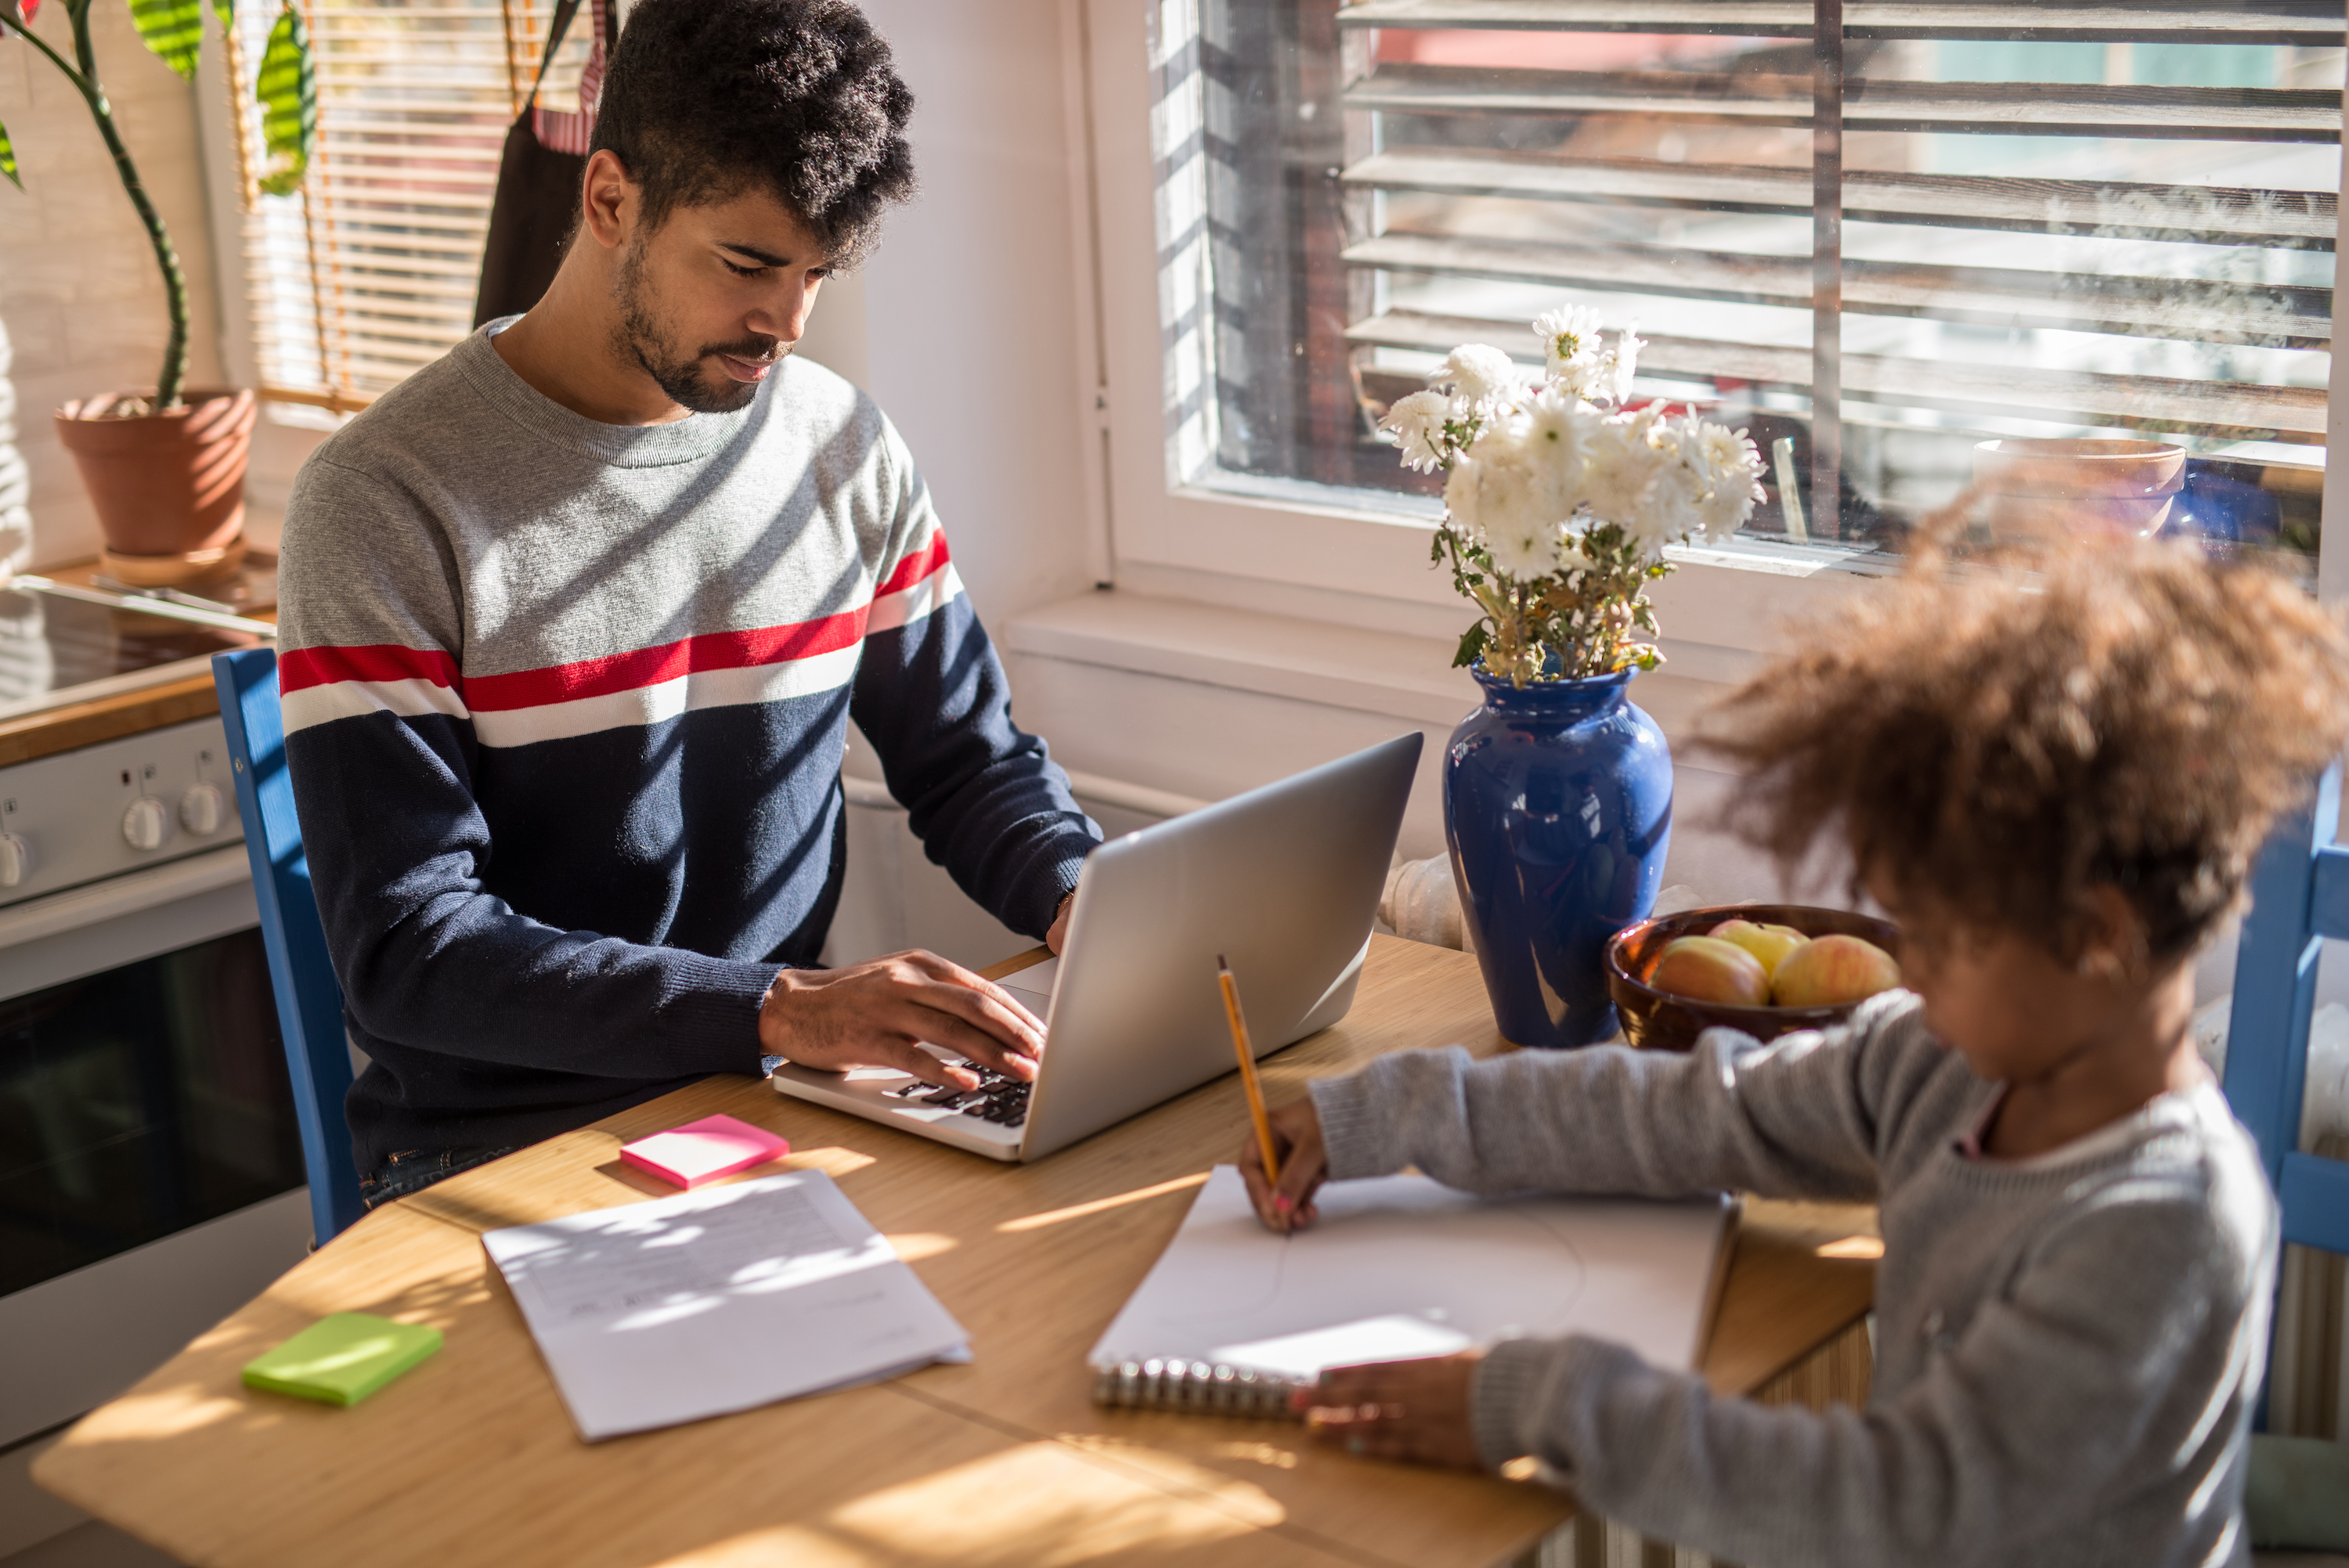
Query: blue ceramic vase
1558	808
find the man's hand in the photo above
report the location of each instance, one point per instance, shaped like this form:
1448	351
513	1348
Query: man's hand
871	1014
1297	1140
1416	1410
1058	937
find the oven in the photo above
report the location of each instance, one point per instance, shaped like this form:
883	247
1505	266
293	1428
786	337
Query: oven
150	1170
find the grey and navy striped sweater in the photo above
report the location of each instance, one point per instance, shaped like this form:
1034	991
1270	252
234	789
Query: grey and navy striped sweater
565	704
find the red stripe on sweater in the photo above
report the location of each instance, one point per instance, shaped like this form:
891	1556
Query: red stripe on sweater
298	668
613	672
670	661
916	566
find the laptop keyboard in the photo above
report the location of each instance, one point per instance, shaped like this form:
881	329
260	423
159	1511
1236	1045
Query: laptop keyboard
1000	1097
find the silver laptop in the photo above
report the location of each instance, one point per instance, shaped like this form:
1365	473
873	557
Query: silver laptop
1283	880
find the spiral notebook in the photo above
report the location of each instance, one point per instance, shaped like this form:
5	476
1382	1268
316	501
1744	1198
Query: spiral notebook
1398	1267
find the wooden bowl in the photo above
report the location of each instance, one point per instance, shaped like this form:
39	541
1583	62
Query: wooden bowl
1658	1021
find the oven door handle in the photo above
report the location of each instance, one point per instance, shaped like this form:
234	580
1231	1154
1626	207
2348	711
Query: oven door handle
126	895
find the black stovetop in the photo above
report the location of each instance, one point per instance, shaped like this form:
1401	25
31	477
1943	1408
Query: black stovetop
51	646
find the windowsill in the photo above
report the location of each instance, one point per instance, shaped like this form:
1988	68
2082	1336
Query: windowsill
1398	674
1249	650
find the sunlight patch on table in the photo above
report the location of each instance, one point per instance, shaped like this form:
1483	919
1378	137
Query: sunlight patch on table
1028	1507
165	1413
1266	1454
1078	1211
834	1163
1854	1247
1242	1499
913	1246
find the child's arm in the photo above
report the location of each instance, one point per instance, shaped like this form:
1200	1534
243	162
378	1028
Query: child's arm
1795	1118
2116	1360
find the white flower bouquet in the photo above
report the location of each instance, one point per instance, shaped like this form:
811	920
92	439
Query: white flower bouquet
1560	500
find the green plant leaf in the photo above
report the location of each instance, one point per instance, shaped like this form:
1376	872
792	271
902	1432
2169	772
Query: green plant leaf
8	159
1472	643
226	11
174	29
287	89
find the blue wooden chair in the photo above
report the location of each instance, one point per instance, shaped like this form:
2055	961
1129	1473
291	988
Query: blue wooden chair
2300	896
309	998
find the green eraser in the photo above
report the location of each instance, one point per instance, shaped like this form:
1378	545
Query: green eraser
343	1359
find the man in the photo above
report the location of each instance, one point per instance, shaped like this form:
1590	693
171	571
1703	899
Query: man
575	617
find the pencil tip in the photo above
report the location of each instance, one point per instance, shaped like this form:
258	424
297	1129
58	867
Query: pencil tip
1220	963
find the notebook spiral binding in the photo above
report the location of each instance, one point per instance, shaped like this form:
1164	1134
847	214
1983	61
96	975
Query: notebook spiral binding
1196	1388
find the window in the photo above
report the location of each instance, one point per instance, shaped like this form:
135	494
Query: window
370	272
2035	220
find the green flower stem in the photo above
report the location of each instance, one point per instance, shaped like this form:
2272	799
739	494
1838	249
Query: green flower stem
175	281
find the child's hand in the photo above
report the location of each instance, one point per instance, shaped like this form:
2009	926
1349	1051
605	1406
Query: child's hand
1416	1410
1297	1140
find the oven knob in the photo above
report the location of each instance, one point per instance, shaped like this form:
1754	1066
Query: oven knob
200	809
16	859
145	823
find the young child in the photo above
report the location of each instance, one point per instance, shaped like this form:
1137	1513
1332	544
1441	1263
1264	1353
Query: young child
2055	784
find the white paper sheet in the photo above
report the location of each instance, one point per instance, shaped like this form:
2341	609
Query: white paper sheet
721	1300
1399	1266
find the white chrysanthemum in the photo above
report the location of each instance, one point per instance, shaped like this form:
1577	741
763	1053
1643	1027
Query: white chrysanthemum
1555	428
1514	497
1570	347
1417	422
1483	378
1610	380
1571	555
1620	462
1670	509
1732	466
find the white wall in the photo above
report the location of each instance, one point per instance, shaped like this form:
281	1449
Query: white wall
971	303
81	299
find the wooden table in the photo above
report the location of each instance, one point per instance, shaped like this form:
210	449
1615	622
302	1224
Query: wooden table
472	1459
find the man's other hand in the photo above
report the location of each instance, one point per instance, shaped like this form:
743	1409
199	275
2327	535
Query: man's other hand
871	1014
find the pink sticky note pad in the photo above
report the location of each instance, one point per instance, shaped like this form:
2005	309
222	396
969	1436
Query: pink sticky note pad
699	1152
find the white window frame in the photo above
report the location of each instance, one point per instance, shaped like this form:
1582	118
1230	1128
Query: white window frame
1354	565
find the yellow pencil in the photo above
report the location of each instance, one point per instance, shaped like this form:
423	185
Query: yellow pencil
1247	1069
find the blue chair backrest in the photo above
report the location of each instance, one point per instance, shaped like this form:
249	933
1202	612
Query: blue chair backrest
2300	896
309	998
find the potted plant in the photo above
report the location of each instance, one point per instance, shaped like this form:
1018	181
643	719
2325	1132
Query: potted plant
165	464
1560	500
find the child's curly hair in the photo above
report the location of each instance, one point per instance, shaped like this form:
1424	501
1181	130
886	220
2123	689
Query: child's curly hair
1995	748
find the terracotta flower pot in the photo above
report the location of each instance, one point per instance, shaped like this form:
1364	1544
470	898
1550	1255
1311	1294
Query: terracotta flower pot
2046	488
168	488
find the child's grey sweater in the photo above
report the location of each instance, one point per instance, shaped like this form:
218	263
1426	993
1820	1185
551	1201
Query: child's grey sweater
2067	1348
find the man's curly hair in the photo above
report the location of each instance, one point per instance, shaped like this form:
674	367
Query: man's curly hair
705	98
1994	748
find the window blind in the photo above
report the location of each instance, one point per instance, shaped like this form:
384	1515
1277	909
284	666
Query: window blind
370	270
1883	229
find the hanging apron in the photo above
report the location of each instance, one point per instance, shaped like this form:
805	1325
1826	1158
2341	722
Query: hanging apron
539	176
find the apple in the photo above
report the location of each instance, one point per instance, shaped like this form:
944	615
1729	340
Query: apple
1770	943
1830	971
1707	969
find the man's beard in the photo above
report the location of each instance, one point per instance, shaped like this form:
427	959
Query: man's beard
681	375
